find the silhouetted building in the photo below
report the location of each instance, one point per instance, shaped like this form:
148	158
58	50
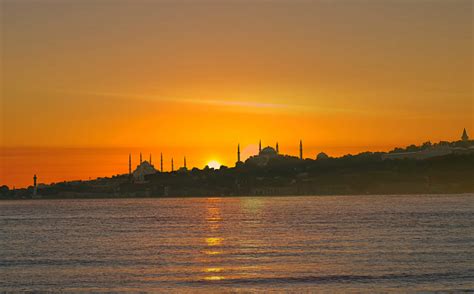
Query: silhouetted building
264	155
301	149
322	156
238	153
423	154
434	151
35	187
161	162
464	136
184	168
143	169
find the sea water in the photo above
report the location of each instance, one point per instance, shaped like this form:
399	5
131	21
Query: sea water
292	244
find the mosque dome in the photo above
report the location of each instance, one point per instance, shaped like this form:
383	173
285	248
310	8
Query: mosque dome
322	155
268	151
143	169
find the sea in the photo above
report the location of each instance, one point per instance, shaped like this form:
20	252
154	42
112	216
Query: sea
398	243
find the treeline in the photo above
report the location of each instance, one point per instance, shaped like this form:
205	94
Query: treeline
428	145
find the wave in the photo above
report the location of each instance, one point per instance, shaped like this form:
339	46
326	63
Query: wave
399	277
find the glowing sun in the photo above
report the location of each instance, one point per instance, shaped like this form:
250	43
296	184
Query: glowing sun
214	164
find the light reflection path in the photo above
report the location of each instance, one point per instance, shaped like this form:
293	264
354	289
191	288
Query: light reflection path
213	240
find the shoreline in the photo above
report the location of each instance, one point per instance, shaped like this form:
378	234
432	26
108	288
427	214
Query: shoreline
246	196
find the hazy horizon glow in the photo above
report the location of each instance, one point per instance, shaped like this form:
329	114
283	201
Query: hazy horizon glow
195	78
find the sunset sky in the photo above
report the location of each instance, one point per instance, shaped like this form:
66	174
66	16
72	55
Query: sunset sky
84	83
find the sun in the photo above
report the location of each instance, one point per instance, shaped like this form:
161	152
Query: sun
214	164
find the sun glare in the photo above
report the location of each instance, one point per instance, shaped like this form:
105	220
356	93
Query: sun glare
214	164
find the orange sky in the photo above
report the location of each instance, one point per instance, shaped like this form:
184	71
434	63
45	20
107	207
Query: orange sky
83	83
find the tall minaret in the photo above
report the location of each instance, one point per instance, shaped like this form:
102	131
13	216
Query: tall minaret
238	153
129	164
259	146
35	188
150	158
278	151
301	149
140	158
161	161
185	167
464	136
172	164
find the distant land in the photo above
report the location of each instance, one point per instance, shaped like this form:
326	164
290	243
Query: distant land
443	167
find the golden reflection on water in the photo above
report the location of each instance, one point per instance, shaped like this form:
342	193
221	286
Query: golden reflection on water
214	278
210	252
214	241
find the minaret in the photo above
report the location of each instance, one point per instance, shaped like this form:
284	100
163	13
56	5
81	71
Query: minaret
278	151
301	149
172	164
185	167
150	158
464	136
238	153
260	146
140	158
129	164
161	161
35	188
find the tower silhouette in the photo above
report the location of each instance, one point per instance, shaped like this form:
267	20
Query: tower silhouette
301	149
185	163
161	161
464	136
238	153
172	164
35	188
259	146
150	158
140	158
129	164
277	148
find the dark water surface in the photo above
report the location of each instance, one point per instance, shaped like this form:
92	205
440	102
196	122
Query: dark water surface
296	244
